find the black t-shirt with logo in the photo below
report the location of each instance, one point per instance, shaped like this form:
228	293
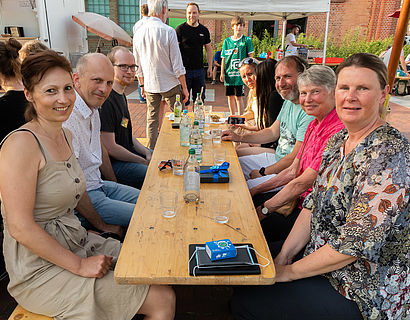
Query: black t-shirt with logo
191	41
115	117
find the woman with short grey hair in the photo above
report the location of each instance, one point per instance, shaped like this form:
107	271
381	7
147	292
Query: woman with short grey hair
319	75
316	96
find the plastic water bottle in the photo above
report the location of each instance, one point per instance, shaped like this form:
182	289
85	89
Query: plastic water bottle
201	116
177	109
195	141
191	178
184	129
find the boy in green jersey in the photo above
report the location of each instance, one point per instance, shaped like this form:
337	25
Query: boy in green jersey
234	50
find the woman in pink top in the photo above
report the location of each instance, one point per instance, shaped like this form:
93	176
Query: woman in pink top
316	87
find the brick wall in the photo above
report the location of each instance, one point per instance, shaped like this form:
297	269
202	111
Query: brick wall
370	16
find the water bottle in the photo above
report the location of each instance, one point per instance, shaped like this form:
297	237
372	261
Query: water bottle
201	116
195	141
191	178
177	109
184	129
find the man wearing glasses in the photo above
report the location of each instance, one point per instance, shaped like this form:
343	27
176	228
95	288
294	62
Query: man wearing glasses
129	158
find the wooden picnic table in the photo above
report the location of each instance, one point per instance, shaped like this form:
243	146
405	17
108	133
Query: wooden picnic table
155	249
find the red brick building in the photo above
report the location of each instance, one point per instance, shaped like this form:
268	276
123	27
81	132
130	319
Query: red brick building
370	16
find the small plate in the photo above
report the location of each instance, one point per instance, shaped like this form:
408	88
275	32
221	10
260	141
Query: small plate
221	121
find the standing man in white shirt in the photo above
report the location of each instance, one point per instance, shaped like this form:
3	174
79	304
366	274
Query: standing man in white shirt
290	43
161	72
137	25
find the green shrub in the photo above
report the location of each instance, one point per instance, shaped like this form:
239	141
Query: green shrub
352	42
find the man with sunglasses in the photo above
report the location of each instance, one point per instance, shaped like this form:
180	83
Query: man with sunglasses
129	158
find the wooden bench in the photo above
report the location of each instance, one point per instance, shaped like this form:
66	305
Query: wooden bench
22	314
143	141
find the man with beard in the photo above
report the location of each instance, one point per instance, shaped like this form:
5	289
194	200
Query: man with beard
289	128
129	158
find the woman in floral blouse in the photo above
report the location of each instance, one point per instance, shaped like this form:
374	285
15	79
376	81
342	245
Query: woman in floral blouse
354	225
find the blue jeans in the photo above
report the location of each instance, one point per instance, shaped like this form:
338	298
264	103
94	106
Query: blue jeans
195	80
129	173
114	203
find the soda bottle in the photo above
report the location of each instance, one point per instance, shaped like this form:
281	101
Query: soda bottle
191	178
177	109
195	141
184	129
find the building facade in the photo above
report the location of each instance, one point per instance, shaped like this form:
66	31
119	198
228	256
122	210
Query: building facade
370	17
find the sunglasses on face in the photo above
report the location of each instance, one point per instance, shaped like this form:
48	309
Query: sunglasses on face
247	61
125	67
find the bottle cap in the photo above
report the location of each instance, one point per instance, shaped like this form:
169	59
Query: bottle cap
185	111
196	123
191	151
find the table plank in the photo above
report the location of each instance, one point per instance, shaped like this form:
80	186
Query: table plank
155	249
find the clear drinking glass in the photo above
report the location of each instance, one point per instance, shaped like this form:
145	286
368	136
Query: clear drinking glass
216	135
207	111
219	155
177	166
168	201
221	209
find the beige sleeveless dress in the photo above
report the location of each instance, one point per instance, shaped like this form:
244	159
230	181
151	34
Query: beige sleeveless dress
44	288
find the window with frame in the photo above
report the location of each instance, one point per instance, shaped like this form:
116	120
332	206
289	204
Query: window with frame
128	13
99	6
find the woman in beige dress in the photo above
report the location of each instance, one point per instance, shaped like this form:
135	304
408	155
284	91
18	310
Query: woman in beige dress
56	268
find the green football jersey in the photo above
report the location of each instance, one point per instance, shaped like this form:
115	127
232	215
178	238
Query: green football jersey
234	51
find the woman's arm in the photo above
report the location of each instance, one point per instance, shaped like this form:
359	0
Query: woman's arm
279	180
324	260
297	239
20	161
292	190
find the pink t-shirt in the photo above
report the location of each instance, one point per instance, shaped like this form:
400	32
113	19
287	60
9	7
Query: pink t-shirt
315	140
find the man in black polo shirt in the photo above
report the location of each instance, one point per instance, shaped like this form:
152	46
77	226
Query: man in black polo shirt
129	158
192	36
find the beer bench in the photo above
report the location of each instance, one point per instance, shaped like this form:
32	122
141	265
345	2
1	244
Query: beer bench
22	314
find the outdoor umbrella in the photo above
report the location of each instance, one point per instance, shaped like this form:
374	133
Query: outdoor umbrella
103	27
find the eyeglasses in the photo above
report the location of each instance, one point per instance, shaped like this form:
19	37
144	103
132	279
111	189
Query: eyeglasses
125	67
248	60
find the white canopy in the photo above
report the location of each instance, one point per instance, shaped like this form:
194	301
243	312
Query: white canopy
252	9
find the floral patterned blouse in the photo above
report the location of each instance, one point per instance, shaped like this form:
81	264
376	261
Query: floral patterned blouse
360	207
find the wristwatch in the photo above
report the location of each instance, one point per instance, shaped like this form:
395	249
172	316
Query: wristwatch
262	171
265	210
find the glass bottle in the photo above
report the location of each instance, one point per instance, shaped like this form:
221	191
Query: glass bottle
191	178
177	109
195	141
184	129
